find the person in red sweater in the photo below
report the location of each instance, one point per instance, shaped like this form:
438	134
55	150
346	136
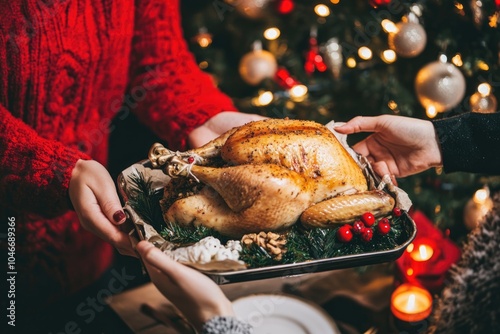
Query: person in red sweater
66	69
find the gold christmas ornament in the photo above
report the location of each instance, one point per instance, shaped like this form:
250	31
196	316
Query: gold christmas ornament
252	9
439	86
483	101
408	40
257	65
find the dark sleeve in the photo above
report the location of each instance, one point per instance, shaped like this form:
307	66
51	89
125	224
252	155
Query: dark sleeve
470	142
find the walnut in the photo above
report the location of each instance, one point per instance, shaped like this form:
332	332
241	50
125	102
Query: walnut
272	243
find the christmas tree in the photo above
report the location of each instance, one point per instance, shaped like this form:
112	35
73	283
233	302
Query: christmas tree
334	60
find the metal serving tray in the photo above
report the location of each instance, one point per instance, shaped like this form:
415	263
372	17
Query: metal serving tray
159	180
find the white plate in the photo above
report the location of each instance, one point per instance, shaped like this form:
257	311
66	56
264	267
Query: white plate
278	313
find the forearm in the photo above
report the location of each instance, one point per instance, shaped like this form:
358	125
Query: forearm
35	171
469	142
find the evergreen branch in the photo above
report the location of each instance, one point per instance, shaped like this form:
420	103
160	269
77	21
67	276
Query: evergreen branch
145	200
187	235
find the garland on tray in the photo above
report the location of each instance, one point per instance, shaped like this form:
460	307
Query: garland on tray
363	236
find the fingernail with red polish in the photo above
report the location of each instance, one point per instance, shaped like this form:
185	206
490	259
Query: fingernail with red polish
118	216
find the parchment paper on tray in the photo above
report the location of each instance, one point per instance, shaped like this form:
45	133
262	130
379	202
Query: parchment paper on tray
208	250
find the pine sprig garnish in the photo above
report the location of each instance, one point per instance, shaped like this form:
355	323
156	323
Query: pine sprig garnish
256	257
145	200
301	244
321	243
187	235
297	246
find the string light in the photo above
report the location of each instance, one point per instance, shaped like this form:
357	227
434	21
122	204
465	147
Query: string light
393	106
298	92
484	89
322	10
203	64
389	26
272	33
335	2
203	38
457	60
431	111
389	56
482	65
351	62
365	53
264	99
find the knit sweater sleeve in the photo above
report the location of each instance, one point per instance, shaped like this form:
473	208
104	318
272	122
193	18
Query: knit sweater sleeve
34	172
469	142
226	325
173	96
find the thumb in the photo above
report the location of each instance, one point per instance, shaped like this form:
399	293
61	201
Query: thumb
107	198
110	205
359	124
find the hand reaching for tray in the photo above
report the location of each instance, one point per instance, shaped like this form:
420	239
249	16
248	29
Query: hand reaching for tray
93	195
399	146
197	297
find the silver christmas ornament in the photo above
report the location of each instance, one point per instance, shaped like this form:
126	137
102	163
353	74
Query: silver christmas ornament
409	40
332	51
257	65
440	85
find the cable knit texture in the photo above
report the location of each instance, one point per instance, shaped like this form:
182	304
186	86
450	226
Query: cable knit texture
226	325
66	68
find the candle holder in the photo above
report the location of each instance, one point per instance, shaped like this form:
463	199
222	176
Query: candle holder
411	307
428	258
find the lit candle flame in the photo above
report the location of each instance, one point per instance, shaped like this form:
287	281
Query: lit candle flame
410	305
423	251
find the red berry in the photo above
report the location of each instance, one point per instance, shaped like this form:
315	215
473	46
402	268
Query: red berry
396	212
358	226
367	234
383	227
344	233
384	220
190	160
368	218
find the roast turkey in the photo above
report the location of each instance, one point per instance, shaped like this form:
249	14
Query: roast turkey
266	176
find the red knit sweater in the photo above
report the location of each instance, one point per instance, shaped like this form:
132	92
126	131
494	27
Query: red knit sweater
65	69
